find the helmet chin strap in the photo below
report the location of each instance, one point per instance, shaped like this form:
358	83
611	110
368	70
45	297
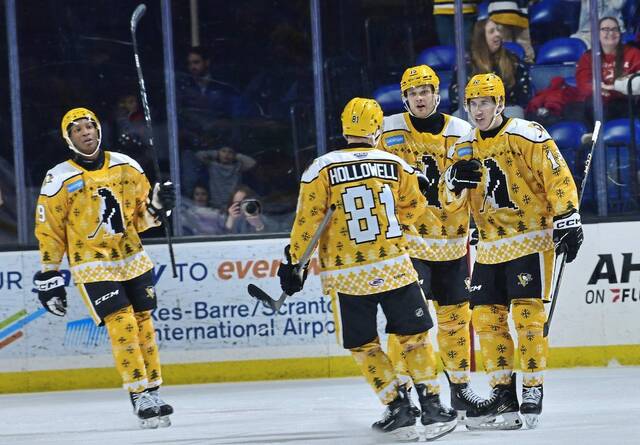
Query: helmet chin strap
84	155
497	112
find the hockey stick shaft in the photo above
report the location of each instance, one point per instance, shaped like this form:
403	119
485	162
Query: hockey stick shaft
563	260
258	293
135	19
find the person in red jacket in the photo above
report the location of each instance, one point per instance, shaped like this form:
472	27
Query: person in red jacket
619	61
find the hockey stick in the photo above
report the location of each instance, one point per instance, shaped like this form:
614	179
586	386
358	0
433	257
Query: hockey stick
563	261
135	19
261	295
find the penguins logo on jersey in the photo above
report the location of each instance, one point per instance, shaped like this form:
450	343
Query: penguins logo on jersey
524	279
432	174
110	214
497	190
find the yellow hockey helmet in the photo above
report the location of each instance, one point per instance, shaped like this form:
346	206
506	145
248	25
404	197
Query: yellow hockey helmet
417	76
76	114
485	85
362	118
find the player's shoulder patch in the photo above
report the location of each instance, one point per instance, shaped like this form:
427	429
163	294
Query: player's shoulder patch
456	127
116	159
60	175
395	122
463	146
529	130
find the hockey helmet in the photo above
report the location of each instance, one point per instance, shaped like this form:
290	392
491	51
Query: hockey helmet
76	114
362	118
485	85
418	76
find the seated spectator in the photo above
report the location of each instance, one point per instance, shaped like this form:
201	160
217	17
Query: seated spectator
245	213
618	63
225	168
131	132
559	101
443	16
514	19
606	8
488	55
198	218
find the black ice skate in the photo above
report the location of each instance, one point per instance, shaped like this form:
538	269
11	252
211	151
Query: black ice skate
531	405
463	398
165	409
438	420
499	411
146	409
398	421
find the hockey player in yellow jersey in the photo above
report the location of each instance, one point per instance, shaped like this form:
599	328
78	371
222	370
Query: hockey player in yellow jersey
91	208
524	201
422	136
364	264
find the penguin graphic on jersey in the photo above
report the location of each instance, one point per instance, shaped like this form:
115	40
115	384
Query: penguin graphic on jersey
433	176
111	216
497	192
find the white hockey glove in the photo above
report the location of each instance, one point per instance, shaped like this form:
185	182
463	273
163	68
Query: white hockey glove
163	197
51	292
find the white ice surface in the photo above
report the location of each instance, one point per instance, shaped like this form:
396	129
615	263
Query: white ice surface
581	406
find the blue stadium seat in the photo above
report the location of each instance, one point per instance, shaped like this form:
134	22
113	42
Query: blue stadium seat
445	102
617	137
389	97
567	136
515	48
560	51
440	57
570	80
541	75
483	10
553	18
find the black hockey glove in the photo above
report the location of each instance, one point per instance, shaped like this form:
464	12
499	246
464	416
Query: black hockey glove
291	280
567	234
163	198
474	237
51	292
463	175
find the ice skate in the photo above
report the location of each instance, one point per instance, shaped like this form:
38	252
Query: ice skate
398	421
438	420
531	405
145	407
499	411
165	409
463	398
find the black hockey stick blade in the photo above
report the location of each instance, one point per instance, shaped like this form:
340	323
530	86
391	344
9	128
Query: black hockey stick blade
137	15
261	295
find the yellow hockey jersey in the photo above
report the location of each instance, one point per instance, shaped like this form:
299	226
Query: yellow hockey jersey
363	249
525	183
94	216
439	235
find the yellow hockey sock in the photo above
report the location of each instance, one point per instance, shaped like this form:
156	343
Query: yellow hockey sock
420	360
149	347
123	332
529	317
454	340
496	344
377	370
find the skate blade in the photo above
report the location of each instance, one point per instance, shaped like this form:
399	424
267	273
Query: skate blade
437	430
150	423
404	434
165	421
531	420
504	421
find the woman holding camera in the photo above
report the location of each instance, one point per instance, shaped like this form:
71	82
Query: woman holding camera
245	212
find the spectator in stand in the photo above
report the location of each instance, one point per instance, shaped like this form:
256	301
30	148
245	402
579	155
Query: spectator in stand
514	19
443	16
198	217
245	213
131	131
488	55
606	8
619	61
225	168
204	105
